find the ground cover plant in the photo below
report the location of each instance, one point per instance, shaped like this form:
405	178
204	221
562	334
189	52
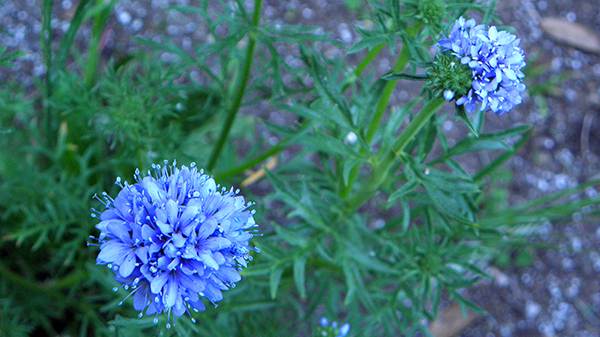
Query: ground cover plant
368	216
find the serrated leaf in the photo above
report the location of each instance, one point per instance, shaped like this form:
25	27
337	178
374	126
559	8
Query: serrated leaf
301	205
299	275
370	39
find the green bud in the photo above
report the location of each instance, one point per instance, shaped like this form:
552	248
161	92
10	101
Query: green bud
431	12
447	74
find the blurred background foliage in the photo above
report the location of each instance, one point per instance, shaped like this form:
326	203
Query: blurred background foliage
352	229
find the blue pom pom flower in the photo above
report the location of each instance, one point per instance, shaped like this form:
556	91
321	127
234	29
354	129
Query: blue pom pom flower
495	60
174	237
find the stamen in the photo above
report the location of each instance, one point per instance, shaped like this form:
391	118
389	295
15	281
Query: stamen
129	295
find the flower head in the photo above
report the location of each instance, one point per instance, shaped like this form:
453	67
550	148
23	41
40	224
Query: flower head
495	60
174	237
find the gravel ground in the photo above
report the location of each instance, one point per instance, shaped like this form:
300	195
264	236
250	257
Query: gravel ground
558	293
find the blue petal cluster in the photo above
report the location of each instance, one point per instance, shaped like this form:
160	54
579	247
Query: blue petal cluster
496	61
174	237
333	330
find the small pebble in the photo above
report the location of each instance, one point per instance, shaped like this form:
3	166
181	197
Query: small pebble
124	18
137	24
532	310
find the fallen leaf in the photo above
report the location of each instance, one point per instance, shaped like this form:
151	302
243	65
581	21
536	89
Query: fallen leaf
255	176
451	322
572	34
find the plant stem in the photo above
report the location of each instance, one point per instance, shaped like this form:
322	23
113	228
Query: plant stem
18	279
363	64
283	143
239	93
386	96
46	42
260	158
417	124
379	112
378	175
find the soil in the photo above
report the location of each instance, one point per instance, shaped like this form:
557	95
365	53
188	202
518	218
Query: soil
555	292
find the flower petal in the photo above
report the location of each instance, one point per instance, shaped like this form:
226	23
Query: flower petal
126	267
158	282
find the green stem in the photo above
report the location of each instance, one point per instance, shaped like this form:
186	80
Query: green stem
283	143
100	20
381	171
417	124
239	93
252	162
18	279
386	96
260	158
46	42
379	112
363	64
368	59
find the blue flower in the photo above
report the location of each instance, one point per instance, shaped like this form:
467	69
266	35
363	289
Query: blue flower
174	237
495	60
332	330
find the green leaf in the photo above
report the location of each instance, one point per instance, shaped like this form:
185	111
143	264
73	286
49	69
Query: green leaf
397	118
292	237
461	113
465	304
249	306
275	279
370	39
319	112
326	86
302	205
350	283
405	214
139	323
69	37
427	137
348	165
450	205
487	141
6	59
299	275
404	76
406	188
330	144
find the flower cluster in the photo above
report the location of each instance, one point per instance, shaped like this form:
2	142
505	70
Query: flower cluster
174	237
332	331
495	60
